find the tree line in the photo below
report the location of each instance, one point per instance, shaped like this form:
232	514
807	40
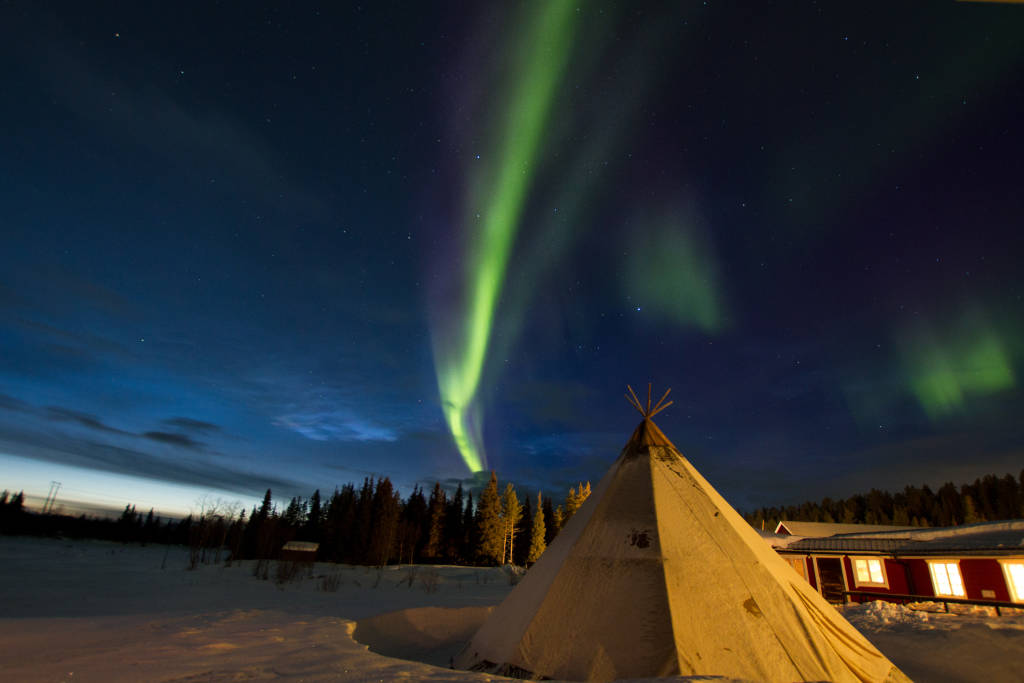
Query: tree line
989	498
373	525
370	524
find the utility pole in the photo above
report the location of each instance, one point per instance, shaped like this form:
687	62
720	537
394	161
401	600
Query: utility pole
51	497
46	503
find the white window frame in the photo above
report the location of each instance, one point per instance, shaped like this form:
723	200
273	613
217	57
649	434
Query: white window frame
1016	592
884	583
802	571
959	575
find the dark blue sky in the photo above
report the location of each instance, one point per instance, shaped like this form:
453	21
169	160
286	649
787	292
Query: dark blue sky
237	241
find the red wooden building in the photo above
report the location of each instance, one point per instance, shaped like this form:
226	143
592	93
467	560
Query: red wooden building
975	562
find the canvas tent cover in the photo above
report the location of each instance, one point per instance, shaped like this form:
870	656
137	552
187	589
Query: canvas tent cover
656	575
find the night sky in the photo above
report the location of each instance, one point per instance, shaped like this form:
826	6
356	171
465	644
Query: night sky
252	246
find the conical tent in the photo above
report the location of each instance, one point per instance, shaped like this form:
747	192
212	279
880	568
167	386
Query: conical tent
657	575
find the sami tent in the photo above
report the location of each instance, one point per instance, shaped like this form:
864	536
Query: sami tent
657	575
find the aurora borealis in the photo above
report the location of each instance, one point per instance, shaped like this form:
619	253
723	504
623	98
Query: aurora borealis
494	210
294	247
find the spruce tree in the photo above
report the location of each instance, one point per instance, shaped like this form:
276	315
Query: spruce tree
970	511
315	519
436	523
490	523
359	547
415	517
467	542
573	502
384	515
338	524
523	534
537	543
453	532
900	517
549	515
511	514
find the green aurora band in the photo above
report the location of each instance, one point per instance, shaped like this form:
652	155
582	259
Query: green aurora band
672	272
542	58
945	370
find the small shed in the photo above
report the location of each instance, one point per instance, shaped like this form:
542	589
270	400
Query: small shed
300	551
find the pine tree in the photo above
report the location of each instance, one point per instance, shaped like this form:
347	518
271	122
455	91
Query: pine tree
294	514
511	514
573	502
549	515
900	517
468	542
537	543
849	515
1009	498
339	523
252	537
523	534
490	524
970	511
314	521
384	515
415	519
436	522
453	532
362	524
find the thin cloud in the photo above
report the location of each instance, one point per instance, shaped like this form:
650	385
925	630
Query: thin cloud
335	426
85	419
91	454
190	424
14	404
173	439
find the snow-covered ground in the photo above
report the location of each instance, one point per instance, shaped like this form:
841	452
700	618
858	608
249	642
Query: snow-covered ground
94	611
967	644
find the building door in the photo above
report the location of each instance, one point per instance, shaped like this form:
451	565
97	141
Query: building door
830	570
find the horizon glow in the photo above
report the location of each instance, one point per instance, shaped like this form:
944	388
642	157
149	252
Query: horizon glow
100	489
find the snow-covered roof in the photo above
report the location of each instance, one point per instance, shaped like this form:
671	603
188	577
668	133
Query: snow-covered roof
989	537
847	544
301	546
776	540
822	529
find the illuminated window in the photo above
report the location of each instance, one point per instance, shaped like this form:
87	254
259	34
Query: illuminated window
946	579
869	571
1014	572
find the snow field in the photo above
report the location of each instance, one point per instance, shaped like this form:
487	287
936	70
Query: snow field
97	611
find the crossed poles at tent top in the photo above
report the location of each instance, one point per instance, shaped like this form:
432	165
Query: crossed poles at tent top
648	413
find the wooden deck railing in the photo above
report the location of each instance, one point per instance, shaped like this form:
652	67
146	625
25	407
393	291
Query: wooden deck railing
903	598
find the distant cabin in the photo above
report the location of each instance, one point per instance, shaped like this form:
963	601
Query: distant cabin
299	551
983	562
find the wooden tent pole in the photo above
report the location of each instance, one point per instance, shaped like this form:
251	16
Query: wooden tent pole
634	400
